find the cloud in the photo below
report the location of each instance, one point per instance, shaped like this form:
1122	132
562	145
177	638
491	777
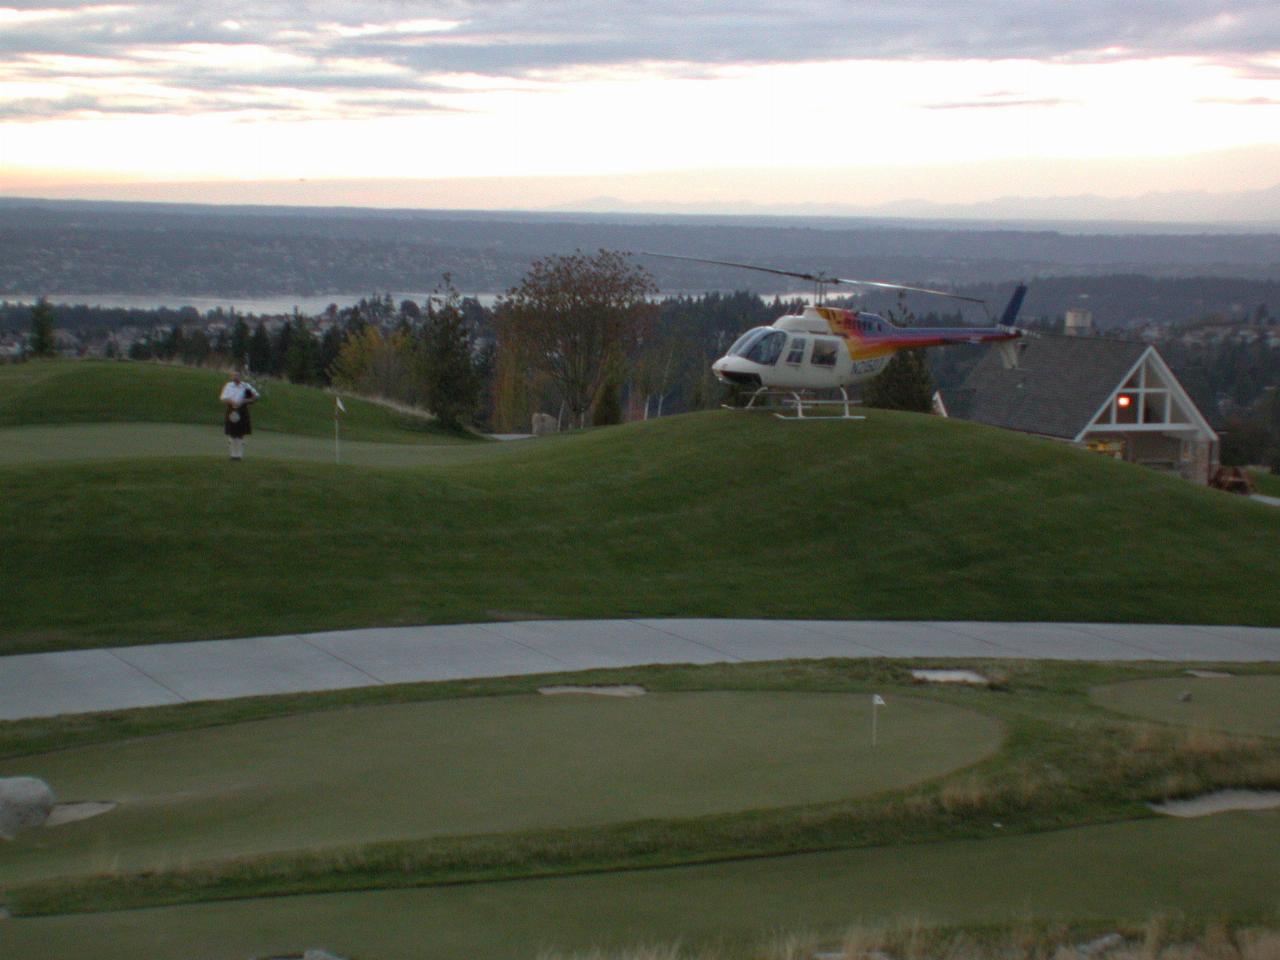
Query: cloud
51	108
1004	101
206	50
1243	101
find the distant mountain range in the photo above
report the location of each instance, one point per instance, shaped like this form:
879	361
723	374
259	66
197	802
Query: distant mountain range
1249	209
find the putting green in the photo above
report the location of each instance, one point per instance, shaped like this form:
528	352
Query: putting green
1216	867
478	766
64	443
1234	704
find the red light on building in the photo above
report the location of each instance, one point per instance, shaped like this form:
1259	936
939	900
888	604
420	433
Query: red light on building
1124	401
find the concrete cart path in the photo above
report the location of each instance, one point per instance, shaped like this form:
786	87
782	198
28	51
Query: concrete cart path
84	681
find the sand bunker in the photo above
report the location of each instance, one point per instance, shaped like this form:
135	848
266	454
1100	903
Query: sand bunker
64	813
1220	801
949	676
625	690
1207	674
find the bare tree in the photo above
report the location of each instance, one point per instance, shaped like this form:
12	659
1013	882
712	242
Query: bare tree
574	318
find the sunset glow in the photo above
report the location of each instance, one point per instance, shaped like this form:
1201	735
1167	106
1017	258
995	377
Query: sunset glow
134	100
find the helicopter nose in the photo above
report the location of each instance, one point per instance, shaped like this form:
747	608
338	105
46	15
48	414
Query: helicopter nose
735	370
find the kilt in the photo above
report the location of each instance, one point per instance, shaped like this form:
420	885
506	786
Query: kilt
242	428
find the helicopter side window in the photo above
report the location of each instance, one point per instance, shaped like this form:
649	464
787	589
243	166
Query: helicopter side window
796	353
824	353
768	348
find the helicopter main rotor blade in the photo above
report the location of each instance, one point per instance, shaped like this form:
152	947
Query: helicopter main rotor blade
817	277
903	286
745	266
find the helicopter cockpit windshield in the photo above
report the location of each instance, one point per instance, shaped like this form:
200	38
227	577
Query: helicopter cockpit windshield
762	345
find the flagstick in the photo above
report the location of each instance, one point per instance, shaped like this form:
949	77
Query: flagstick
337	454
875	712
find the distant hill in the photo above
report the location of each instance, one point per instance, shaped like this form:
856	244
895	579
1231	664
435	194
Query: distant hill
65	246
1186	212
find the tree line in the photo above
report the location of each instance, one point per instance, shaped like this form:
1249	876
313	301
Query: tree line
586	339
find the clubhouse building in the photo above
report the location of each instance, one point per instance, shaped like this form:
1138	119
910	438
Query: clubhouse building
1112	396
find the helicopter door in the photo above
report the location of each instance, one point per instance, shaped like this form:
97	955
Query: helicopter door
795	350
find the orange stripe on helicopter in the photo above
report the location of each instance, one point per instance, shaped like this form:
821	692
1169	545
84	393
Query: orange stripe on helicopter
864	345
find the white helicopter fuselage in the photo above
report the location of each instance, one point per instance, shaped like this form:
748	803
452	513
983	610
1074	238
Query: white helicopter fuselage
825	348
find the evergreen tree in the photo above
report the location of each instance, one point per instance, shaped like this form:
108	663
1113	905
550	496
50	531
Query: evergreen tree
196	349
410	312
451	385
259	352
608	408
905	384
330	347
240	343
174	345
280	345
300	362
43	343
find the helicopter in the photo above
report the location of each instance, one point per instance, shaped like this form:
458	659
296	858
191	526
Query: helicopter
799	354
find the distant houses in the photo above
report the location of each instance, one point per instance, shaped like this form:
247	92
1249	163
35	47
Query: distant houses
1115	397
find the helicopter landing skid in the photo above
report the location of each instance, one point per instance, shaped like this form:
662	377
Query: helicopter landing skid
798	403
793	401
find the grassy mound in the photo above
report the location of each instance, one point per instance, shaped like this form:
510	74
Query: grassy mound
63	392
477	766
899	516
1249	705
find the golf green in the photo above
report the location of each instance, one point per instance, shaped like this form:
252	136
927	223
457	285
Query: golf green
478	766
1243	704
66	443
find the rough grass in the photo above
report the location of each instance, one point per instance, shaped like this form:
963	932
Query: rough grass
1098	878
1161	937
1266	483
104	391
898	516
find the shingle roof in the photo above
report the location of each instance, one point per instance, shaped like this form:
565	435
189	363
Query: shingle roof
1057	387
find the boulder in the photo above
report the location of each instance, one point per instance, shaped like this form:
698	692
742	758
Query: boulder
24	802
544	424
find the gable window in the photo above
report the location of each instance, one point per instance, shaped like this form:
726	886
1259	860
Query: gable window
1146	398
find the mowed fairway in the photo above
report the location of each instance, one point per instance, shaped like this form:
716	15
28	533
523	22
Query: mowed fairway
1248	705
899	516
475	766
1206	869
88	391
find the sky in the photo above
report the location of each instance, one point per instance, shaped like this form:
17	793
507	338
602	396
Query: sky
728	105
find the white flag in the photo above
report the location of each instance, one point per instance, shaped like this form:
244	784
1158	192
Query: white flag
877	700
338	401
